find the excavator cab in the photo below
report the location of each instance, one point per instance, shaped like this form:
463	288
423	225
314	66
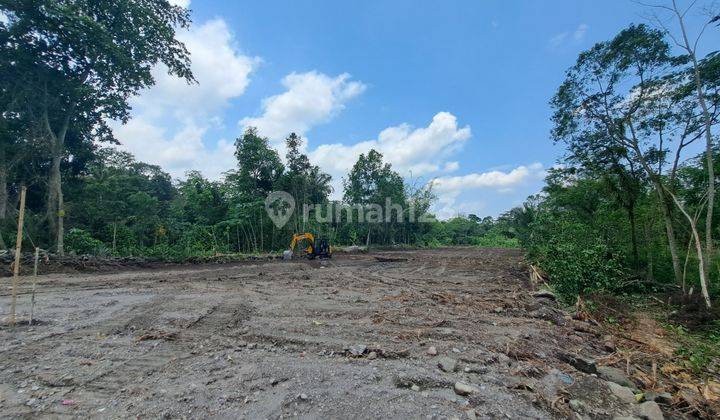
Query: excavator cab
316	248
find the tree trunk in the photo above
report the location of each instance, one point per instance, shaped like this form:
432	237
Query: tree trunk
3	192
55	210
55	204
672	243
3	202
708	139
699	250
633	236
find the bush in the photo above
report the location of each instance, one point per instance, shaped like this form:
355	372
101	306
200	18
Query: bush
575	256
81	242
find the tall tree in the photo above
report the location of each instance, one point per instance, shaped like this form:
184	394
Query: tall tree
628	94
81	61
259	166
702	78
372	184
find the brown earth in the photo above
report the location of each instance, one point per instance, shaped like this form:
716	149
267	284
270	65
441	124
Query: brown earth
346	338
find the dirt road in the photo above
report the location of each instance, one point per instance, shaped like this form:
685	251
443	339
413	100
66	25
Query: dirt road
353	337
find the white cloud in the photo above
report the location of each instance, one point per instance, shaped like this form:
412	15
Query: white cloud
171	118
449	188
311	98
575	36
411	151
497	180
580	32
558	39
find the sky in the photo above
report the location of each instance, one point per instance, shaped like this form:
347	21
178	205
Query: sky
454	92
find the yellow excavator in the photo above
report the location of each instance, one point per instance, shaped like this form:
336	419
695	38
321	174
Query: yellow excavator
316	248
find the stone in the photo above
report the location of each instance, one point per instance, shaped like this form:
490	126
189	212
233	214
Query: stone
471	414
372	355
447	364
358	349
659	397
623	393
578	362
650	410
432	351
615	375
464	389
577	406
415	388
303	397
544	294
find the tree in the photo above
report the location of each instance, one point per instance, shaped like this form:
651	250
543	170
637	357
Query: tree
259	166
628	94
80	62
701	77
372	184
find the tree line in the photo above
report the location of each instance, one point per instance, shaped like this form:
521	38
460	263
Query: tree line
68	67
632	205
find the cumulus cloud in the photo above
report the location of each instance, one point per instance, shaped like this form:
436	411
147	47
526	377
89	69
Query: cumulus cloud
497	180
411	151
449	188
171	118
310	99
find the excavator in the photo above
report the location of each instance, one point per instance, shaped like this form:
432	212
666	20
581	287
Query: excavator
316	248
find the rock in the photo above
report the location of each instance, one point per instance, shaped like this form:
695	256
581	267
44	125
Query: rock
447	364
471	414
372	355
649	410
303	397
464	389
358	349
432	351
456	350
544	294
578	362
659	397
415	388
615	375
623	393
577	406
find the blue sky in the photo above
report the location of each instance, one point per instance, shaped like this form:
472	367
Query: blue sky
452	91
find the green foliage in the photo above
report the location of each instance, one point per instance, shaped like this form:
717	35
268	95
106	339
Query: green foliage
575	256
81	242
699	351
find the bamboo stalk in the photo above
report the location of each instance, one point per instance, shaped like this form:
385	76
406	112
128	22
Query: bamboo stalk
18	249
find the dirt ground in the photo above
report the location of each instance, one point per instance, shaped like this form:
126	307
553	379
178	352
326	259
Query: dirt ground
352	337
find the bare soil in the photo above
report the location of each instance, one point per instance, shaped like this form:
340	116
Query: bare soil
346	338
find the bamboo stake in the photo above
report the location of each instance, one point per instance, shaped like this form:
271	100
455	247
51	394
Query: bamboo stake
34	285
18	248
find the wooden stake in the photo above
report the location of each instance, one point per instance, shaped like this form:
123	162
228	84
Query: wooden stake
18	248
35	272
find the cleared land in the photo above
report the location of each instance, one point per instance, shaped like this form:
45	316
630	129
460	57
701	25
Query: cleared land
350	337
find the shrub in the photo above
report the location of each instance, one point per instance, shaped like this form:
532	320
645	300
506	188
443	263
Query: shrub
81	242
575	256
